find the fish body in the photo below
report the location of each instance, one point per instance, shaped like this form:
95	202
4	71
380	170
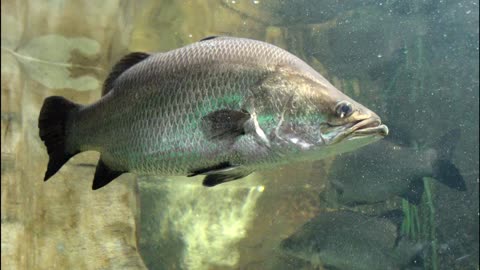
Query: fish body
387	169
223	107
346	240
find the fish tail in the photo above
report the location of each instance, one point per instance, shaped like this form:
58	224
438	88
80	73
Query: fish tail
443	168
52	123
448	174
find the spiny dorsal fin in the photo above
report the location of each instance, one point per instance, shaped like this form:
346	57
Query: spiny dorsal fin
215	37
209	37
125	63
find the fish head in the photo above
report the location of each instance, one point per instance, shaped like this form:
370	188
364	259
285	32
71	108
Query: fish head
323	120
346	121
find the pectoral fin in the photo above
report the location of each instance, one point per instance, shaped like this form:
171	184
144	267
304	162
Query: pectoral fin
221	173
224	124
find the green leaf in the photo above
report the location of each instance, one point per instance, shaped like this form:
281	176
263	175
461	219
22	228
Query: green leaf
46	59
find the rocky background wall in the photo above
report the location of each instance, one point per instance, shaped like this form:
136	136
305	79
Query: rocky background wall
60	48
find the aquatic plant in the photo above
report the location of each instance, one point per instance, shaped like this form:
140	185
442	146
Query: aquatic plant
419	224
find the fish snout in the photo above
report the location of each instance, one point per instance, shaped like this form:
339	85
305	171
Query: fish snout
370	126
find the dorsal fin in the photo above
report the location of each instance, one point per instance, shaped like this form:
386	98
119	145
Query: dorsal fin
209	37
125	63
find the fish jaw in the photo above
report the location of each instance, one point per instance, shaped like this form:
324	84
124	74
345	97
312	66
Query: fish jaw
370	127
343	139
294	147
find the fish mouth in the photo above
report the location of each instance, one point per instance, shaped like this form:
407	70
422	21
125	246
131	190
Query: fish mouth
369	127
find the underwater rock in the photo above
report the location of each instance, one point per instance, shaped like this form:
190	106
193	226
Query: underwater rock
187	226
58	226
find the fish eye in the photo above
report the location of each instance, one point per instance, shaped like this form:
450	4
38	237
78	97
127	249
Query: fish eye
343	109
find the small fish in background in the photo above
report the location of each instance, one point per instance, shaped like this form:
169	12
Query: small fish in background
386	169
346	240
221	107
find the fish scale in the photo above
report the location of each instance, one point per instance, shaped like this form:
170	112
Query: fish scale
174	130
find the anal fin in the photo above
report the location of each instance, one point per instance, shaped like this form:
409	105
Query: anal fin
415	191
212	169
104	175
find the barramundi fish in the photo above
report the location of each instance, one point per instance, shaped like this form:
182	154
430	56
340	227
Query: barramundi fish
386	169
221	107
346	240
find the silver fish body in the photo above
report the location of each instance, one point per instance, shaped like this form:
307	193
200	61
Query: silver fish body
222	107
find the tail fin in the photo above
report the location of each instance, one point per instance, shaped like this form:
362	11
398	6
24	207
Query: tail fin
448	174
52	122
443	169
